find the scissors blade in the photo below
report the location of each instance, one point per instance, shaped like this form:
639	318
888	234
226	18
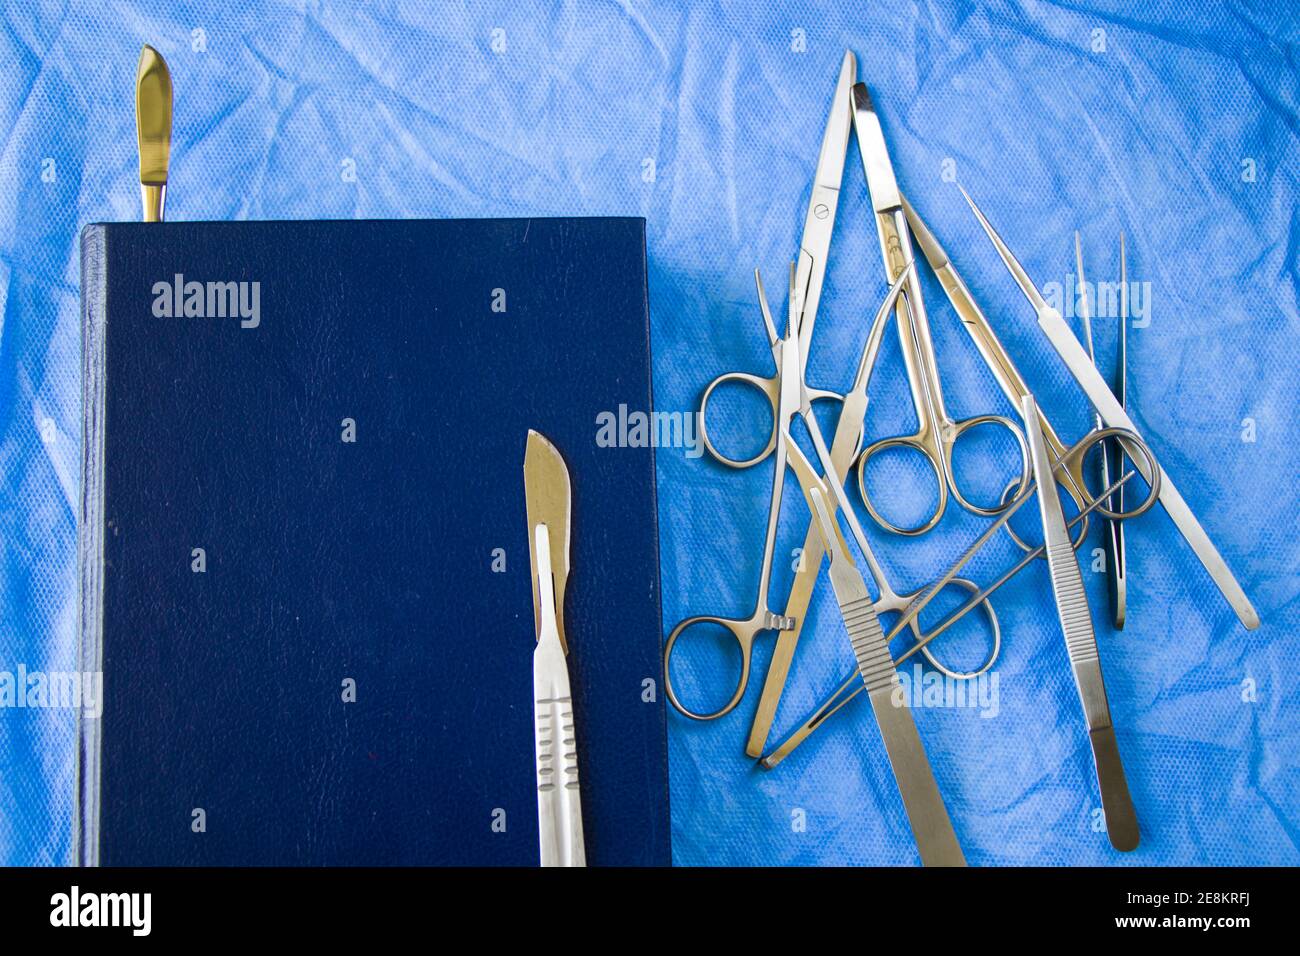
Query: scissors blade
915	340
1080	642
1113	414
977	326
926	814
930	248
1115	529
819	221
1112	536
559	798
885	197
153	125
547	496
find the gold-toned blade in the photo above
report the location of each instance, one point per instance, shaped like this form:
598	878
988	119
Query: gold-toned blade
153	125
547	495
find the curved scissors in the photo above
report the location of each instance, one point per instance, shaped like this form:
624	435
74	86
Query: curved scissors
794	398
937	432
814	249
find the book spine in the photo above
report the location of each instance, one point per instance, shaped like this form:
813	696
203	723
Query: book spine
90	542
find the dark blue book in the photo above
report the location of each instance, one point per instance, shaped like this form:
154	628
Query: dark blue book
304	550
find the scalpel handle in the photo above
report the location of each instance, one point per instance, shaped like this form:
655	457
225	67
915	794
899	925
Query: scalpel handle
931	827
559	800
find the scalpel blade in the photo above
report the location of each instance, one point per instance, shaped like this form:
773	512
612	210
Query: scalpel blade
547	496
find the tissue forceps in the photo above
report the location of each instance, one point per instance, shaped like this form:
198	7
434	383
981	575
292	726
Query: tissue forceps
745	630
937	433
814	249
851	687
1112	413
153	127
1113	539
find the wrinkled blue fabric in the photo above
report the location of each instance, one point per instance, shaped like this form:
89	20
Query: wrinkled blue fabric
1176	126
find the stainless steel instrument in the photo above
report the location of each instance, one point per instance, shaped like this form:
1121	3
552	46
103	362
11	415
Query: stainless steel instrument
1112	458
1113	414
931	827
153	125
928	817
1080	642
559	797
937	433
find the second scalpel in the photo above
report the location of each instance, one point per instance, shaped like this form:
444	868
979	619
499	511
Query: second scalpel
1112	413
153	126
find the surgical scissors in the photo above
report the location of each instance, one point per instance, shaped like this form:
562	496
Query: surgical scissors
937	432
790	389
814	249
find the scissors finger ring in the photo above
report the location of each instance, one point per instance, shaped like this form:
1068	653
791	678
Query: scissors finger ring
964	427
936	467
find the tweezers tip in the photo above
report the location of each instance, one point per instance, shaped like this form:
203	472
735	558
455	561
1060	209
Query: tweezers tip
969	201
862	97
